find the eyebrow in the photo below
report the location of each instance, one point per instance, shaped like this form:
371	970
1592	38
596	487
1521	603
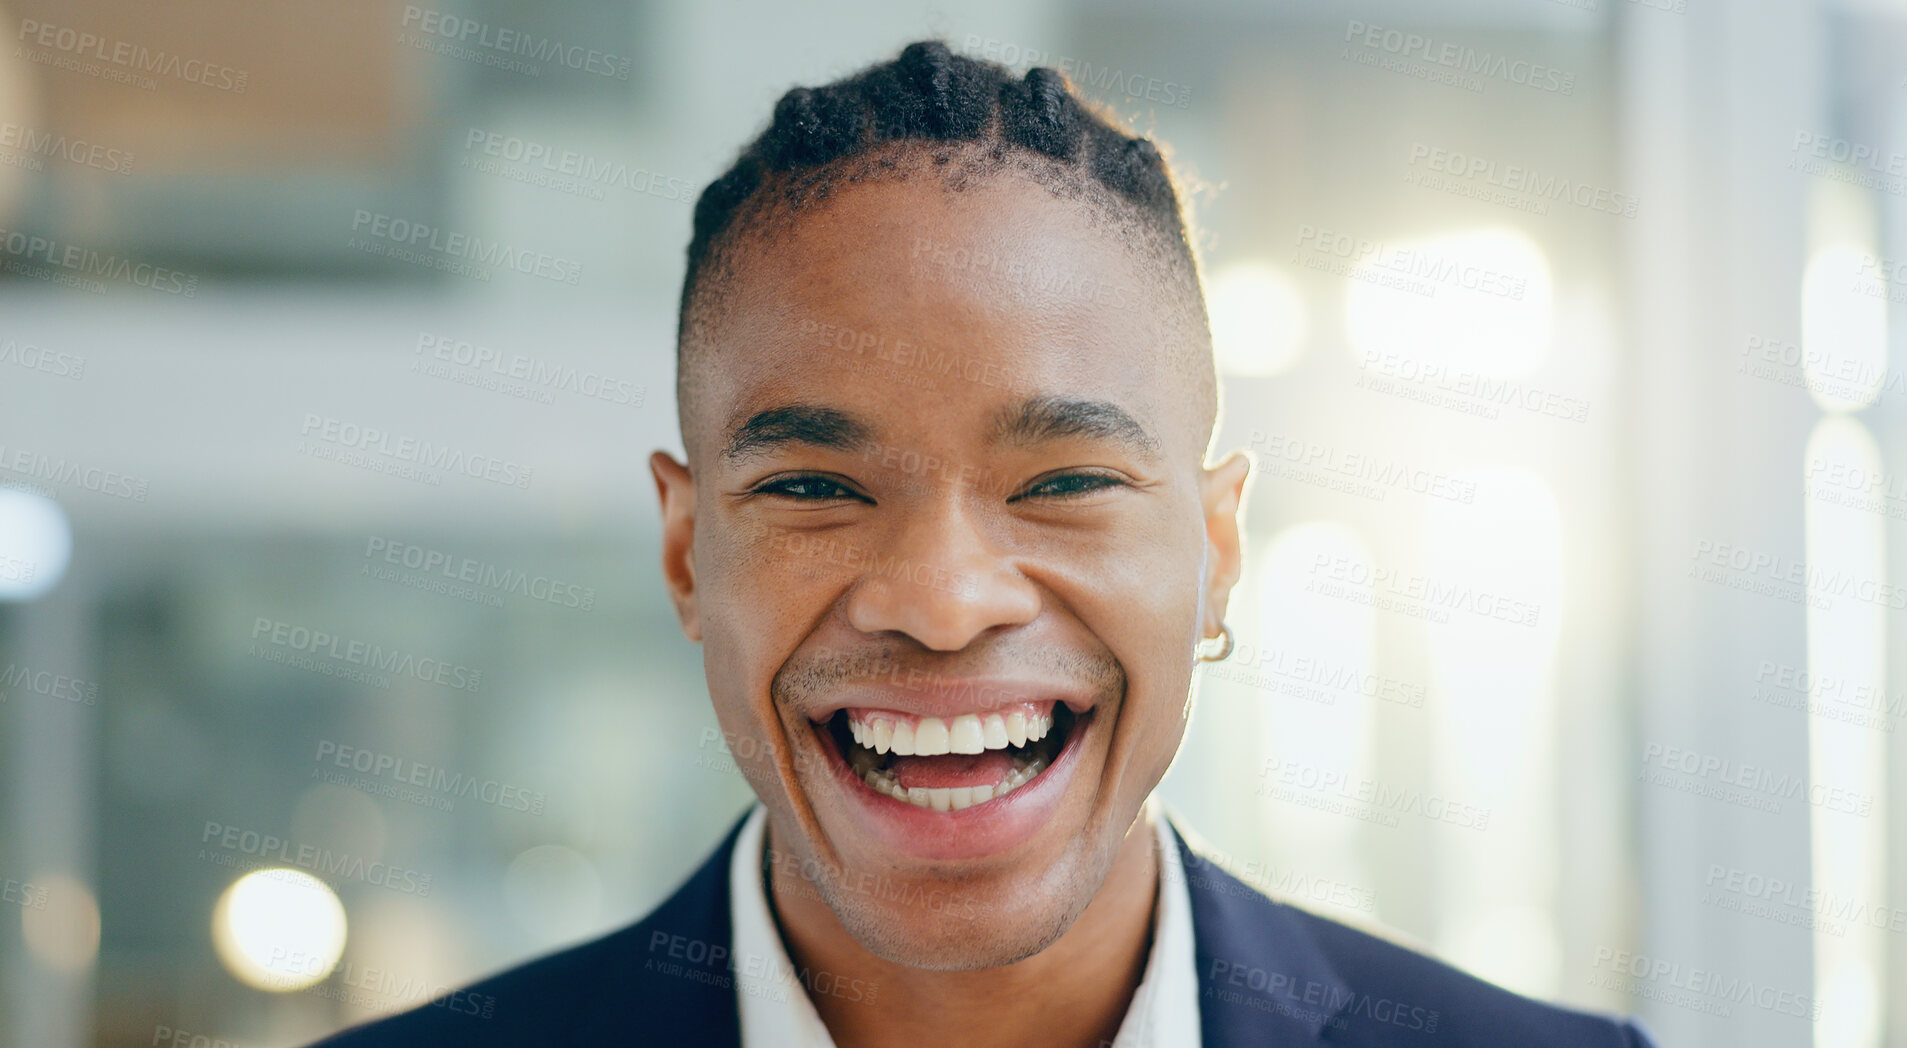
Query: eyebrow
1046	418
1034	421
807	424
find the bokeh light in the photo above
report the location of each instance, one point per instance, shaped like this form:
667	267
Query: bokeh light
1258	320
35	544
279	929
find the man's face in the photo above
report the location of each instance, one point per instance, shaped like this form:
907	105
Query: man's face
948	542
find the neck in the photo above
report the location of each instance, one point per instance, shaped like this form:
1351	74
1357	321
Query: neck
1074	992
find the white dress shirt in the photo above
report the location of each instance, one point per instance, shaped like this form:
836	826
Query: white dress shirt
776	1011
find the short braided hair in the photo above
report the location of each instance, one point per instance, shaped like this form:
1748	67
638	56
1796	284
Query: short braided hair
932	107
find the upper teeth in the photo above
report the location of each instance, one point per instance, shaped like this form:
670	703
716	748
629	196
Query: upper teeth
967	733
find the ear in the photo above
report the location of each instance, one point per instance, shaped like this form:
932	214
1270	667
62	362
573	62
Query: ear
676	488
1221	493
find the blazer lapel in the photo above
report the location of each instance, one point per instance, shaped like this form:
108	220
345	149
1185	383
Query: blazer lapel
673	982
1263	980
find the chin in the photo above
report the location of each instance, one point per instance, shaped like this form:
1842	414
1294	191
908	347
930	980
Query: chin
974	930
971	923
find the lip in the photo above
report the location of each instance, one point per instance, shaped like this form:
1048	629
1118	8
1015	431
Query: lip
985	829
949	697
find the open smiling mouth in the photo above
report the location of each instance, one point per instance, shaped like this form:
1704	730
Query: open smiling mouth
953	763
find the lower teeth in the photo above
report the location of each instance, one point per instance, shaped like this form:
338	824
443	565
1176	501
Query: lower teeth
953	798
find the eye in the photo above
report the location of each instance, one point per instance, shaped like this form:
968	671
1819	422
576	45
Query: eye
806	487
1069	485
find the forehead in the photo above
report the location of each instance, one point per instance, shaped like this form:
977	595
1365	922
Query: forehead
932	308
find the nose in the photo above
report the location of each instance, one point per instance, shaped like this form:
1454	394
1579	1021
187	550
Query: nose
941	581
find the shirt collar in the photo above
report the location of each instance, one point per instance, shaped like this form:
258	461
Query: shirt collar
775	1009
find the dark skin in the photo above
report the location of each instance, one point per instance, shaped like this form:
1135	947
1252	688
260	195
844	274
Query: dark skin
1072	549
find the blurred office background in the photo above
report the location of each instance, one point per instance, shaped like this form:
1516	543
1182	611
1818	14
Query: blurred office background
1561	334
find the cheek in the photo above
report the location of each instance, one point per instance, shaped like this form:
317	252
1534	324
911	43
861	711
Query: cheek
1144	603
749	615
749	558
752	747
752	584
1147	569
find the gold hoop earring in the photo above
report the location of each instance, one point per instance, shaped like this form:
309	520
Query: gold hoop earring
1225	650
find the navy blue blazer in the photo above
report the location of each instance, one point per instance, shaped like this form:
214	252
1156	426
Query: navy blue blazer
1269	975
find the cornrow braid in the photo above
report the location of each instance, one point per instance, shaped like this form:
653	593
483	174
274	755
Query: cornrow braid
931	102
